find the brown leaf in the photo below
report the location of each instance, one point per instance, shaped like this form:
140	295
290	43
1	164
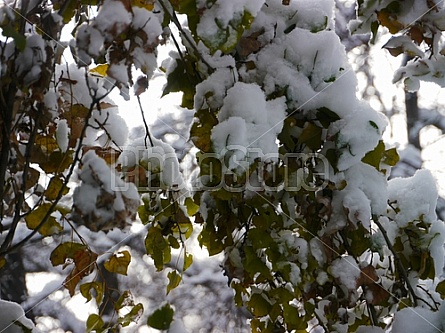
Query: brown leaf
84	265
368	276
379	294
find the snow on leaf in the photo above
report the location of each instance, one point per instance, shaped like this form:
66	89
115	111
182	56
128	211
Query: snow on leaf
118	263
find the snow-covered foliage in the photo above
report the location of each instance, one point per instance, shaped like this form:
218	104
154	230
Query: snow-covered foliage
291	190
13	319
418	28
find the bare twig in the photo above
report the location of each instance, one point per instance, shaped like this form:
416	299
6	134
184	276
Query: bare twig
147	130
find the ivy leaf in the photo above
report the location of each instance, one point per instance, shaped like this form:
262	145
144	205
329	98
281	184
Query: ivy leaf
83	265
157	247
188	261
440	288
311	136
391	157
132	316
118	263
183	79
192	208
374	157
64	251
100	69
35	217
326	116
55	185
174	279
19	39
161	318
97	288
95	323
258	305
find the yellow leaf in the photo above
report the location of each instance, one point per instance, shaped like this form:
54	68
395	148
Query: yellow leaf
100	69
118	263
174	280
54	186
147	4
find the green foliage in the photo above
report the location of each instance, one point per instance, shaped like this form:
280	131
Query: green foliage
161	318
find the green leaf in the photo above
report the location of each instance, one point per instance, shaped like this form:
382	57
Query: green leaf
57	161
65	251
132	316
188	261
96	287
374	157
374	125
157	247
174	279
161	318
311	136
35	217
183	79
95	323
260	238
118	263
440	288
56	184
258	305
391	157
192	208
19	39
326	116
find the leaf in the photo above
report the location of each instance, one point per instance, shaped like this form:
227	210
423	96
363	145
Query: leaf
65	251
2	262
174	279
326	116
192	208
388	20
157	247
56	184
118	263
391	157
311	136
84	261
161	318
100	69
374	157
95	323
188	261
183	79
35	217
32	178
147	4
19	39
57	161
260	238
47	143
98	289
132	316
258	305
440	288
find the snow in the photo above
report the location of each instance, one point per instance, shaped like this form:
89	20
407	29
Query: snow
421	189
11	312
414	320
112	20
248	124
62	134
346	270
221	12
